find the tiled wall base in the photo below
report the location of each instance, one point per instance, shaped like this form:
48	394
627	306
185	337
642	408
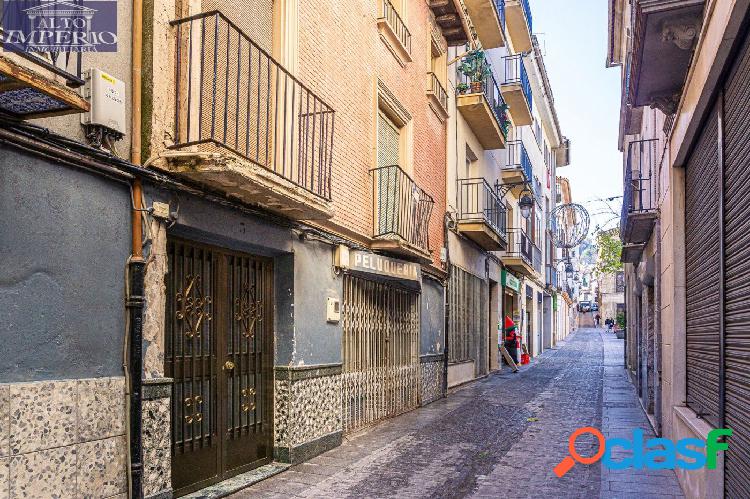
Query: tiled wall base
432	372
307	416
63	439
157	457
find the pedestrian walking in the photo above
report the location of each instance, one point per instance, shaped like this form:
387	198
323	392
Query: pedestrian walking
597	319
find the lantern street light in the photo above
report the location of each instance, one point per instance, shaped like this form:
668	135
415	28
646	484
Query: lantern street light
526	204
569	269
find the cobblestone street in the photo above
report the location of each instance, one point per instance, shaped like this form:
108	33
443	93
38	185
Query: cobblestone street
498	437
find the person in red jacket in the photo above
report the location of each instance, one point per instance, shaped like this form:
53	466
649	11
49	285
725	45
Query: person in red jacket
511	336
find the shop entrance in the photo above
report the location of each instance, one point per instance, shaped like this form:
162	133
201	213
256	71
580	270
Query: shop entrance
219	351
380	351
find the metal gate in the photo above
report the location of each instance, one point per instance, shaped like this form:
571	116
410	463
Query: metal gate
219	351
467	322
380	351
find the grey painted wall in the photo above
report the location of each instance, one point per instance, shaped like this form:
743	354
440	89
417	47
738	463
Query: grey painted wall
64	243
432	327
316	341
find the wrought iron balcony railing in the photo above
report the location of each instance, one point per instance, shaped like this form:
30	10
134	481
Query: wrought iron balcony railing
520	246
518	158
553	276
640	194
438	91
402	208
536	258
397	24
477	200
527	13
231	94
515	74
500	7
494	97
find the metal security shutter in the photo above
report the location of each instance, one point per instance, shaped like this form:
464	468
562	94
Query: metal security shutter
737	275
467	321
702	273
380	351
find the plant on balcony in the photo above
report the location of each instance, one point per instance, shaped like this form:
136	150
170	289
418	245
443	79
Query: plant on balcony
461	88
501	111
475	67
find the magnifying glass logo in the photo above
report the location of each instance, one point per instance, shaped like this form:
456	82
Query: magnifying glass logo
566	464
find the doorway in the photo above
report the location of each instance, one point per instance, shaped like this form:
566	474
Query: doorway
219	351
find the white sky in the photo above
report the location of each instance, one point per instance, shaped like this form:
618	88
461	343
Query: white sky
573	37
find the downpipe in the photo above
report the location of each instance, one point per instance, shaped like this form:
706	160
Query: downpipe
446	301
134	305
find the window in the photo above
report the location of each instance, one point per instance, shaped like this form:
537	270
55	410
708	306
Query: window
389	141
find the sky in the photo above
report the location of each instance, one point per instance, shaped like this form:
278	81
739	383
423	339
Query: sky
573	38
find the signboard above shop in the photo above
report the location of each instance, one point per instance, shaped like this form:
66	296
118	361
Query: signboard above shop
378	265
510	281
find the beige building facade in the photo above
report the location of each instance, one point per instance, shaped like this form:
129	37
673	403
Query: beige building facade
680	136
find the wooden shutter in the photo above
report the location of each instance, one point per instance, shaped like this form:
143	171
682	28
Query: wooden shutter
702	273
737	274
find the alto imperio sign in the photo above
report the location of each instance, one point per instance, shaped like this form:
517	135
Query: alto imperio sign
363	261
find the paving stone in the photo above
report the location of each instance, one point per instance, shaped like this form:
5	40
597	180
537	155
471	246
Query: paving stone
481	441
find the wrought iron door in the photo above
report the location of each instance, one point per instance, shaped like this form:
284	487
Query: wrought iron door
219	350
380	351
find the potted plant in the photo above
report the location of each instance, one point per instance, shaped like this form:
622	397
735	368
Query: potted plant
476	68
462	88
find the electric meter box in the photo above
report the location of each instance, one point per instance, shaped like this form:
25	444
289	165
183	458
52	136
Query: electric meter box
106	95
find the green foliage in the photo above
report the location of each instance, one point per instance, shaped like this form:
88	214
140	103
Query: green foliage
475	66
620	319
610	249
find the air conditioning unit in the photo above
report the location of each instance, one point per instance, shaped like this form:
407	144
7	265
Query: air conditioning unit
106	94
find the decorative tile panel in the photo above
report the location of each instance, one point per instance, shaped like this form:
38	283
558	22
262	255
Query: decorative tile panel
102	470
42	415
432	374
47	473
307	409
156	446
101	408
4	421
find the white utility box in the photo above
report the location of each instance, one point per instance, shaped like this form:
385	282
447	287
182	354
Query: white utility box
106	94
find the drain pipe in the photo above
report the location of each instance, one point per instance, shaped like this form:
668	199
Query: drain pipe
136	270
446	301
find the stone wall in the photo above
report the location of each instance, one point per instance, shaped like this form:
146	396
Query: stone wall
63	438
307	416
432	373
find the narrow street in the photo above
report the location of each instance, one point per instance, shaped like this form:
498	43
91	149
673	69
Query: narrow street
498	437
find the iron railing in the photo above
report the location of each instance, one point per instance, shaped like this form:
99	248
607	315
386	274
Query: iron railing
66	65
520	246
515	74
231	94
500	8
402	209
552	276
527	13
536	258
389	13
438	91
640	186
494	97
477	200
518	158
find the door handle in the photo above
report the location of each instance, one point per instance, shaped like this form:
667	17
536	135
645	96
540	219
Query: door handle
228	365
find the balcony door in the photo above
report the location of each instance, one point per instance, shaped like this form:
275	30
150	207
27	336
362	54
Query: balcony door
219	351
388	200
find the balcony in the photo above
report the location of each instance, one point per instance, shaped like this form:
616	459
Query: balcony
246	127
449	15
484	109
516	90
640	202
664	34
488	17
482	216
553	277
521	254
401	215
393	32
438	96
518	24
517	167
37	84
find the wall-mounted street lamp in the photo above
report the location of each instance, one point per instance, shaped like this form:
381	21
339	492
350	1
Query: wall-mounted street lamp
569	270
526	204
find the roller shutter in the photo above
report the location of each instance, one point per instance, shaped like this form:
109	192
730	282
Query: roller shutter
737	274
702	273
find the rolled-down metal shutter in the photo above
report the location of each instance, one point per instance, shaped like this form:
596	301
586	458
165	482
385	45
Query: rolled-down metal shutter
702	273
737	275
